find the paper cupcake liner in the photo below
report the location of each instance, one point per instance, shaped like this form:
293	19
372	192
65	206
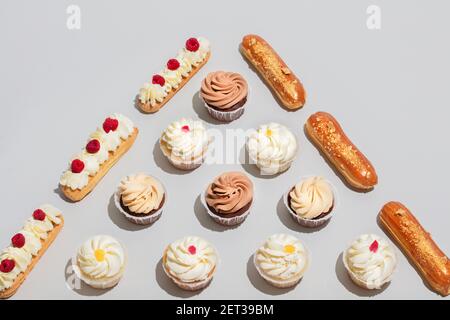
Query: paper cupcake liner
98	283
272	171
141	220
359	282
225	116
223	220
282	284
189	286
185	165
312	223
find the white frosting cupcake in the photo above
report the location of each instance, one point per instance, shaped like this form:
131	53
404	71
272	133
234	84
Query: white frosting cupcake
370	261
282	260
100	262
272	147
185	143
190	262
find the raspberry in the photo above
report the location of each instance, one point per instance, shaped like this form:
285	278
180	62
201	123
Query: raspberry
110	125
192	44
192	250
93	146
374	247
157	79
173	64
38	214
185	128
18	241
77	166
7	265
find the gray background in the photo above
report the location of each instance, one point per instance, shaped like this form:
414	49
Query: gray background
388	88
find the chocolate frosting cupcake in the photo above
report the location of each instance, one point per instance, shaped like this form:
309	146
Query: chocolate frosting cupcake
224	91
230	194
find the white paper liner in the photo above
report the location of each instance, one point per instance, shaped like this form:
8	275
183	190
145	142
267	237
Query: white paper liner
360	282
189	286
223	220
141	220
286	283
105	283
187	164
312	223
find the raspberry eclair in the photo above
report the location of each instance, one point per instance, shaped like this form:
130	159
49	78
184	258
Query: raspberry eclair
27	247
103	149
178	71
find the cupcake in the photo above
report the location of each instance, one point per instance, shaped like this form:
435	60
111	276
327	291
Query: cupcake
282	260
190	262
229	197
370	261
140	198
272	148
185	143
100	262
311	201
224	94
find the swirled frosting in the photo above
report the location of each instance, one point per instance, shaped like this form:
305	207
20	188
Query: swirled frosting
33	231
91	164
74	180
229	192
126	126
152	93
173	77
21	260
196	57
190	259
223	90
186	139
101	257
272	146
282	258
110	140
32	242
311	197
21	257
141	193
40	228
372	260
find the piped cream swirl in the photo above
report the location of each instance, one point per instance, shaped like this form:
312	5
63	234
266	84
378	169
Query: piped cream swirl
223	90
141	193
311	197
190	259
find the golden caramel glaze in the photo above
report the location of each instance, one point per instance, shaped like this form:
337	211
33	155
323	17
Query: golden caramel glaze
327	134
417	243
280	78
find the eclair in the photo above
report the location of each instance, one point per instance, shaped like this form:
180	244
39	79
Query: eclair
418	245
178	71
274	70
328	136
27	247
104	148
